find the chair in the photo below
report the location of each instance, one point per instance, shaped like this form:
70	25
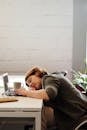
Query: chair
28	127
52	128
82	124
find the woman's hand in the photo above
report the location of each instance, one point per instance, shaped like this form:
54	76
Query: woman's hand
21	91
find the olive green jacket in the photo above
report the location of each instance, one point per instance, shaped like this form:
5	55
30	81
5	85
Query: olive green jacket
69	104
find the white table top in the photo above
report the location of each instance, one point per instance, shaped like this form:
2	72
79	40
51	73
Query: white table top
23	104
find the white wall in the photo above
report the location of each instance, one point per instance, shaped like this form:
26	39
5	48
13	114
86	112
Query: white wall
35	32
79	34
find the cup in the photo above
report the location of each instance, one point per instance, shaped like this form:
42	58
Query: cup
17	85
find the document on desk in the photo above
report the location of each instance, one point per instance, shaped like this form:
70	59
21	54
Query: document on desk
7	99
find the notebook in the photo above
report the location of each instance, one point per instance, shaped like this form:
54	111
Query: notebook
7	99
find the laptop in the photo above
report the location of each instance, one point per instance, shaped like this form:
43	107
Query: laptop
7	91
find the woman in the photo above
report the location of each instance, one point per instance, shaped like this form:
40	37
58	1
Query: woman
68	105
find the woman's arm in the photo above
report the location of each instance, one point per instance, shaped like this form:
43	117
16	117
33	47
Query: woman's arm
40	94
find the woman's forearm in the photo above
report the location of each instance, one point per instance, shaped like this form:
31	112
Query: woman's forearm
40	94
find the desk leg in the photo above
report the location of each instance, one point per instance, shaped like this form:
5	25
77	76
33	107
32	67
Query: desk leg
38	121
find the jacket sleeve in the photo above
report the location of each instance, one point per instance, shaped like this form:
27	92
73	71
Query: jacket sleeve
50	84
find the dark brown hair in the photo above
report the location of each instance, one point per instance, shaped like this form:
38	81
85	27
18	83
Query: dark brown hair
35	71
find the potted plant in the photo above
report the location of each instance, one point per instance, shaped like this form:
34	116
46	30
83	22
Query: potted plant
80	81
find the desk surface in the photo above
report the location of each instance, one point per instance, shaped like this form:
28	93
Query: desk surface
23	104
24	107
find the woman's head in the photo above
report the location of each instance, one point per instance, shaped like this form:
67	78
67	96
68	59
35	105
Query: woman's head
33	78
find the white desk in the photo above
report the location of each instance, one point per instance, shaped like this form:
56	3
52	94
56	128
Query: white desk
24	107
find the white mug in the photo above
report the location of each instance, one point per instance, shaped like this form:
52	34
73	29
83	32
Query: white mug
17	85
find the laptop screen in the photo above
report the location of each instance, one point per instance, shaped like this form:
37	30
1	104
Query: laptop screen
5	81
